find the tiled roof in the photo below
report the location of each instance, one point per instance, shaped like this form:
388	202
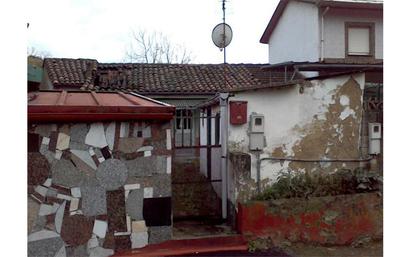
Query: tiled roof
153	78
70	72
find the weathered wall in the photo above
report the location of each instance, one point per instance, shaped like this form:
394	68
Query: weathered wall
98	188
322	122
296	37
330	220
334	30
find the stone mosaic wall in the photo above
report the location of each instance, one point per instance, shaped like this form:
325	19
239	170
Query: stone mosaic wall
94	189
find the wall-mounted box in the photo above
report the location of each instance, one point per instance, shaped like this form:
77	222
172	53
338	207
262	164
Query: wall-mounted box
375	130
257	123
375	135
256	141
238	112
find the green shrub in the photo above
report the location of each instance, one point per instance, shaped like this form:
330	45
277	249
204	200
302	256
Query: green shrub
318	183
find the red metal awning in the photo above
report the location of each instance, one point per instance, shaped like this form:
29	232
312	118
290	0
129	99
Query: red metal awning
84	106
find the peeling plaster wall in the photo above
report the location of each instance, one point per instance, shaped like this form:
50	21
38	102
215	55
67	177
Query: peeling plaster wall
98	187
322	122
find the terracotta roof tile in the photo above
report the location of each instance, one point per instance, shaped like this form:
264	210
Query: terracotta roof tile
155	78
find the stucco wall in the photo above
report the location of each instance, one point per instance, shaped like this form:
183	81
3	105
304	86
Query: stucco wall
334	30
296	37
322	122
98	188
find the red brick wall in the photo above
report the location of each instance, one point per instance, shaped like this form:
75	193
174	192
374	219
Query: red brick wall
334	220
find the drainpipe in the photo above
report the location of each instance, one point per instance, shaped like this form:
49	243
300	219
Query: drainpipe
224	134
322	39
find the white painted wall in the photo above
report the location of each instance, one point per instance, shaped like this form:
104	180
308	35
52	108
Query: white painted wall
296	37
284	110
335	30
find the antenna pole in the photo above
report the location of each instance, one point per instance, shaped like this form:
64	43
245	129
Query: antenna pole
224	133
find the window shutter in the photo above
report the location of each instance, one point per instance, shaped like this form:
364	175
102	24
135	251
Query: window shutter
358	41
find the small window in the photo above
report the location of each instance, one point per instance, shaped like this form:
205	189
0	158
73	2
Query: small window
183	119
360	39
258	121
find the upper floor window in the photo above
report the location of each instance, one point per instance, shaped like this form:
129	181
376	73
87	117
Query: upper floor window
360	39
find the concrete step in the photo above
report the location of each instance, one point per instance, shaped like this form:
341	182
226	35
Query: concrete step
189	246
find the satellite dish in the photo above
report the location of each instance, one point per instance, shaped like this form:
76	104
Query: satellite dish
222	35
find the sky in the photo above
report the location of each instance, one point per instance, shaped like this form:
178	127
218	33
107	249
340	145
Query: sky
102	29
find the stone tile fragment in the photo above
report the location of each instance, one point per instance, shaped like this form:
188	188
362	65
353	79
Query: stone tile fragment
61	252
122	243
33	142
110	134
64	197
41	190
58	218
48	182
66	174
139	240
116	211
93	198
93	242
148	192
45	209
168	139
70	232
45	141
78	146
53	141
157	211
58	154
106	152
145	148
33	208
169	165
41	235
124	129
77	251
74	204
38	168
147	132
129	144
78	132
45	129
45	248
63	141
141	167
96	136
131	186
147	153
134	204
139	226
100	228
83	161
159	234
76	192
101	252
112	174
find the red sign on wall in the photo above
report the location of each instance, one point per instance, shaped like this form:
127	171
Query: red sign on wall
238	112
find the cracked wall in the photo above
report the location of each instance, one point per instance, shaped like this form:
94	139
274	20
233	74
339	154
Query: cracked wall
322	122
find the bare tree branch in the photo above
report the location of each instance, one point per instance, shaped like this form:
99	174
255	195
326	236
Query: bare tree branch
32	51
155	47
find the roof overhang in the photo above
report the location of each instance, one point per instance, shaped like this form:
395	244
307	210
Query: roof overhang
320	66
86	106
358	4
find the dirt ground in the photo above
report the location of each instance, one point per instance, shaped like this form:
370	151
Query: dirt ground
371	249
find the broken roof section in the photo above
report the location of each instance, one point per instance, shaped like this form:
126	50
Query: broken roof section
370	4
86	106
88	74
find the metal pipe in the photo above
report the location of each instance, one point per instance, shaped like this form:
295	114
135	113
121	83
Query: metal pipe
223	168
322	39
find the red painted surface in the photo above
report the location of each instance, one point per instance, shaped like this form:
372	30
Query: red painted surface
63	106
356	216
238	112
189	246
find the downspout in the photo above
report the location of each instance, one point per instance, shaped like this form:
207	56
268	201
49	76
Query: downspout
224	161
322	36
